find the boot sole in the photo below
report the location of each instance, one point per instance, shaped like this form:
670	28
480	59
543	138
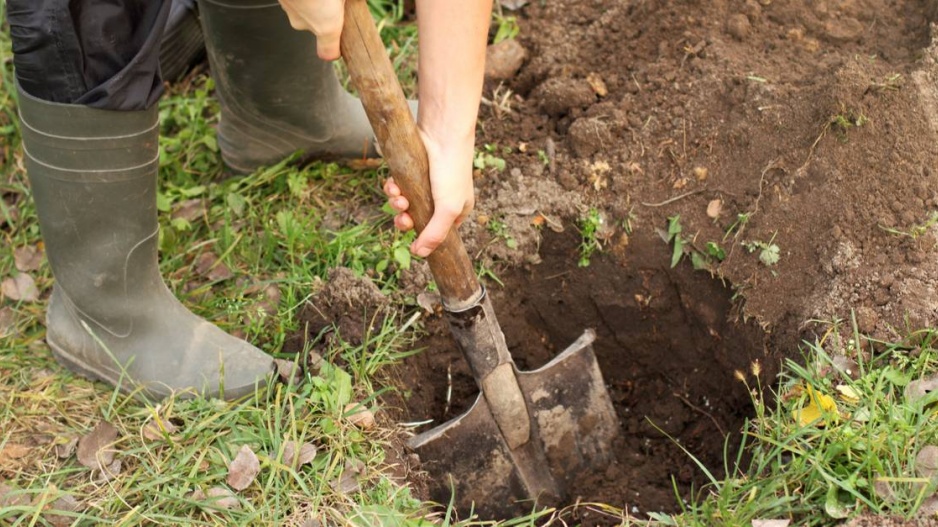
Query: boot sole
73	364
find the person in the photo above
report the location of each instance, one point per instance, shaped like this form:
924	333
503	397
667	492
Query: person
88	82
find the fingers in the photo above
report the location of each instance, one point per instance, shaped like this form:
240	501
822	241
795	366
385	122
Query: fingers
436	231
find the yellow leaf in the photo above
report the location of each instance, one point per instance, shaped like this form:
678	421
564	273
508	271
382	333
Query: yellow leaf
818	404
848	394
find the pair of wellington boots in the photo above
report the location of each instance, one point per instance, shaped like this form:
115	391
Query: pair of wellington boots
93	175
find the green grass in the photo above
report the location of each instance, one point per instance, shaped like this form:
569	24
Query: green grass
285	227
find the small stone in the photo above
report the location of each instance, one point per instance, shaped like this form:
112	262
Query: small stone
701	173
738	26
504	59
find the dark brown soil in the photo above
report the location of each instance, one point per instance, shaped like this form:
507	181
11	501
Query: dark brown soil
815	121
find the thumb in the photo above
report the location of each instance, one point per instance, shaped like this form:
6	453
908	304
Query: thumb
434	233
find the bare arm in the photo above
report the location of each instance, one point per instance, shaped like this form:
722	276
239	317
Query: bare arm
453	37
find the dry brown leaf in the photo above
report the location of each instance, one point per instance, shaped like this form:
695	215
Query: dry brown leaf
94	449
296	455
222	498
926	462
244	468
158	428
209	266
189	210
110	472
348	482
429	301
7	321
11	497
66	503
916	390
288	371
714	208
21	287
360	416
771	523
11	452
27	258
65	447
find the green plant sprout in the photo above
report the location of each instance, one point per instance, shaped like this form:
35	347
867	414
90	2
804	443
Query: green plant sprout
589	227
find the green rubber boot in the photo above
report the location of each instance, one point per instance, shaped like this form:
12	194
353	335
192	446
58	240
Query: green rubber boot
111	318
277	96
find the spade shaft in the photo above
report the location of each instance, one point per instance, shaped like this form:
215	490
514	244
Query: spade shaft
506	412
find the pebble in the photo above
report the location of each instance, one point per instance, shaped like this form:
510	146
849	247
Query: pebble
503	60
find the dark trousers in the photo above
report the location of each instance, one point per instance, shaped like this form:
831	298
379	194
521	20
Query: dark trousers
99	53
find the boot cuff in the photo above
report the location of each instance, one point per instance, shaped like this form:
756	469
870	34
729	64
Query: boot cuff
88	142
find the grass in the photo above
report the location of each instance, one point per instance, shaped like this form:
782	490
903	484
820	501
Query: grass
283	228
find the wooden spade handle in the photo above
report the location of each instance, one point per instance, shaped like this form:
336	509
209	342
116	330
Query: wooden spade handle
373	76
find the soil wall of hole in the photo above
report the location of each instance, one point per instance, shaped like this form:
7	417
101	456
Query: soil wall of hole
670	342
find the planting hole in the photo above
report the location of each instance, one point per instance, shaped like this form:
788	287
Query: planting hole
670	344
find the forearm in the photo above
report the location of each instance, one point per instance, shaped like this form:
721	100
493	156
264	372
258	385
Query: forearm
453	36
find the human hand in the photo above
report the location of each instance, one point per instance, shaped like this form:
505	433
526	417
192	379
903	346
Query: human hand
324	18
451	188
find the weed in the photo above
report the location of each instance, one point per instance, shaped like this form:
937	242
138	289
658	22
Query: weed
845	120
499	230
506	26
590	227
889	83
487	158
769	253
915	231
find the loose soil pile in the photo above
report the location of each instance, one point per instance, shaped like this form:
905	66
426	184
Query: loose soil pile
807	126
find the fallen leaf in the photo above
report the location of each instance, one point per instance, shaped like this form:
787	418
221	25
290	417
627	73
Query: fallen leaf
209	266
771	523
926	462
22	287
11	452
7	321
917	390
348	481
93	448
288	371
157	428
222	498
189	210
848	394
813	412
27	258
360	416
244	468
65	447
296	455
429	301
66	503
11	497
714	208
109	472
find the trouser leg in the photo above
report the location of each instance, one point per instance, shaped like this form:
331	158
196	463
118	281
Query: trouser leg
102	54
